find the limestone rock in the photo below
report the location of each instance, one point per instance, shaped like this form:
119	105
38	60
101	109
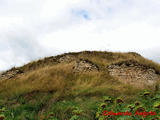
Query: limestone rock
132	72
66	58
85	65
10	74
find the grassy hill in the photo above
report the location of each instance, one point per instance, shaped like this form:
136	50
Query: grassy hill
70	85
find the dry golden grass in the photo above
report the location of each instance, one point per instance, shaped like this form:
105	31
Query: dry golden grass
59	77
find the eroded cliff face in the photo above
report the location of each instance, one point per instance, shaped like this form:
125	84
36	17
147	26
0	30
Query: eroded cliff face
131	72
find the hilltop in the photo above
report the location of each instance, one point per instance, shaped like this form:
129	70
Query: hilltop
58	83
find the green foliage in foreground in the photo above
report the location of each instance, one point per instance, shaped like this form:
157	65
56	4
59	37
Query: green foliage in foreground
146	102
111	109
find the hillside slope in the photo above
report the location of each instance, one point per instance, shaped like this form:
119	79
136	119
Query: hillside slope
56	84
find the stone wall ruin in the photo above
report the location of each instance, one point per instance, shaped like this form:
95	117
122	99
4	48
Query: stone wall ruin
131	72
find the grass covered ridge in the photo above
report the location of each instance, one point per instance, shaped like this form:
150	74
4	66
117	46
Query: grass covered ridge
48	86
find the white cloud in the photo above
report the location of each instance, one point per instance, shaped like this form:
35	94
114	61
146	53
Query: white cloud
33	29
85	36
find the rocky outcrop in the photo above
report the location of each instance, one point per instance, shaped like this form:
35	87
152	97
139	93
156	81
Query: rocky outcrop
10	74
132	72
84	65
66	58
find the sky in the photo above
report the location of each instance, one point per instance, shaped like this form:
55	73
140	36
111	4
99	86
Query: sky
33	29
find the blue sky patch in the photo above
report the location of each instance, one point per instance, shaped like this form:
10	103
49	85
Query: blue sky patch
82	13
